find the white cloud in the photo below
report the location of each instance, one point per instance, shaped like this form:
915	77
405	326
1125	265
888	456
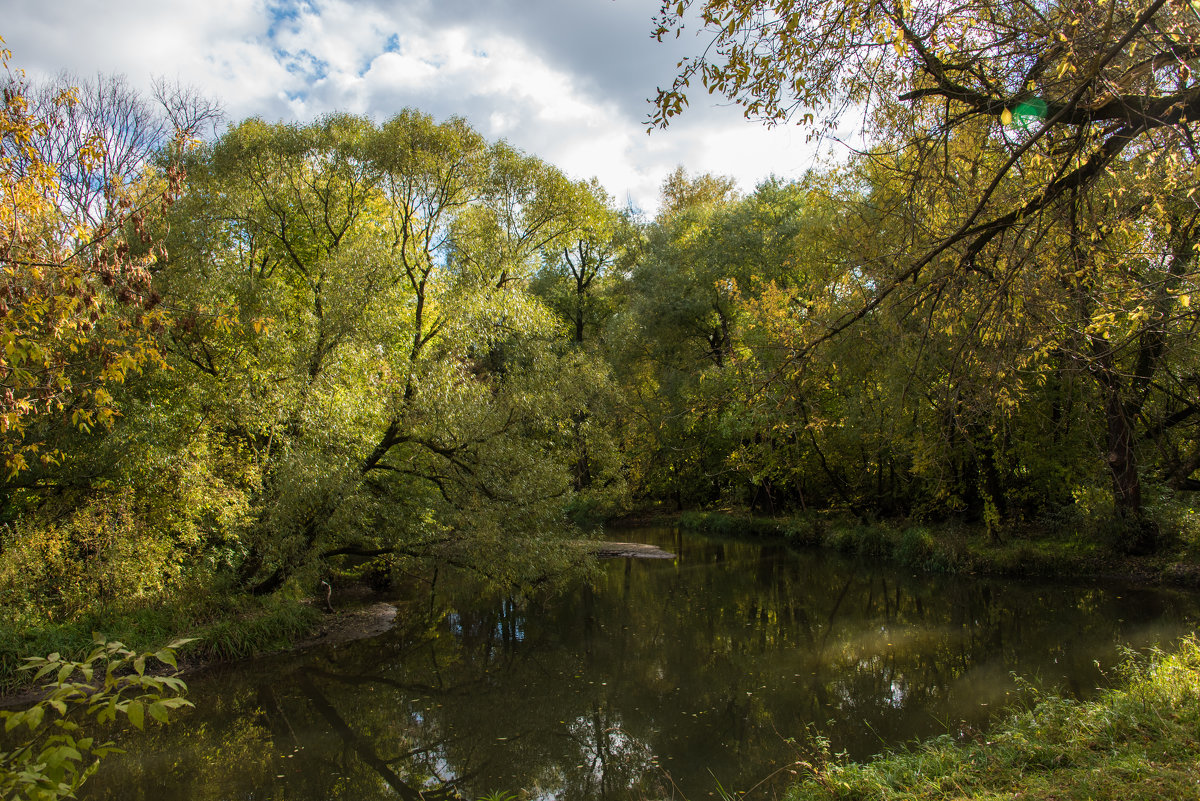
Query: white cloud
564	81
401	71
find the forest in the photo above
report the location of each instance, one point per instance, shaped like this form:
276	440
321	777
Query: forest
241	358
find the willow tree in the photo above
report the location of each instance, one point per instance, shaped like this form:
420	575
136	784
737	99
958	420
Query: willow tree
1048	152
368	343
576	274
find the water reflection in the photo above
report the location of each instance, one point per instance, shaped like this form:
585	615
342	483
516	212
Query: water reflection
663	679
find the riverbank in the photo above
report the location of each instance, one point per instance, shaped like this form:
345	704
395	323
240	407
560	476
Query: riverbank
224	626
289	627
1137	741
960	548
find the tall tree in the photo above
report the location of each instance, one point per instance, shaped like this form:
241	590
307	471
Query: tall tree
394	381
577	268
1036	136
82	170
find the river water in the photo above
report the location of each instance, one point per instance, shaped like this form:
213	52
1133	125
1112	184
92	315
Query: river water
716	670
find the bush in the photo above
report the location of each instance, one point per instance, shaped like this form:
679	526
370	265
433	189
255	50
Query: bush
806	530
917	549
228	626
868	540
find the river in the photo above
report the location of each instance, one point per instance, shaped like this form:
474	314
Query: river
716	670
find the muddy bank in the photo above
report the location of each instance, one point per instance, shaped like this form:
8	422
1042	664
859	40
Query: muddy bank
627	550
355	624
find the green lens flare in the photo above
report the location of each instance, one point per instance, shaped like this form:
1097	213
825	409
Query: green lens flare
1029	113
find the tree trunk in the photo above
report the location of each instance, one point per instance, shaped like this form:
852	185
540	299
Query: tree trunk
1138	535
1121	459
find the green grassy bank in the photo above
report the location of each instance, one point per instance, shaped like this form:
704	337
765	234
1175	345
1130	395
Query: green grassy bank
962	548
226	627
1138	741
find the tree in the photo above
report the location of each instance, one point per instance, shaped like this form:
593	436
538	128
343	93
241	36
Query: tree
577	267
368	341
1034	136
78	182
682	338
679	191
524	206
578	280
126	133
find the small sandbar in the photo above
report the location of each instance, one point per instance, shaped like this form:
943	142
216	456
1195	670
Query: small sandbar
628	550
355	624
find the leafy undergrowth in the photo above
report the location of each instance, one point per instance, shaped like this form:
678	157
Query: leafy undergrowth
225	626
951	547
1141	741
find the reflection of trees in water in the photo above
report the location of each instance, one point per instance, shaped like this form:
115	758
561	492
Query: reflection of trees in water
701	665
611	761
355	742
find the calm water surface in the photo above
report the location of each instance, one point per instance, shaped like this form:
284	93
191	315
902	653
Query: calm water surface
664	679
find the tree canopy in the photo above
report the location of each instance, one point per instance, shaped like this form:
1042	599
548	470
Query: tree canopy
1041	158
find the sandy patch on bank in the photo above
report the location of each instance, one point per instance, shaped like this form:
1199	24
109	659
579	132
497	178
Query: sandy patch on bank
357	624
628	550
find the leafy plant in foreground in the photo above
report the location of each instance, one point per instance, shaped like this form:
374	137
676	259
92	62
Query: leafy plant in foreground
56	755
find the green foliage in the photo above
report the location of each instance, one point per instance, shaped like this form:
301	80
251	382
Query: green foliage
154	533
916	548
357	365
54	752
245	629
377	358
1000	299
731	525
402	342
498	795
864	539
922	407
79	314
682	350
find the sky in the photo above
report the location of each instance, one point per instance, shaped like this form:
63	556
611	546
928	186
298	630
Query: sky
566	80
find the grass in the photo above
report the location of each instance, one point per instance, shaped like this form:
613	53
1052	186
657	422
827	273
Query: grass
1139	741
226	626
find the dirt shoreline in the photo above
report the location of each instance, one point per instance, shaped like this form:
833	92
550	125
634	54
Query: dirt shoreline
628	550
354	624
